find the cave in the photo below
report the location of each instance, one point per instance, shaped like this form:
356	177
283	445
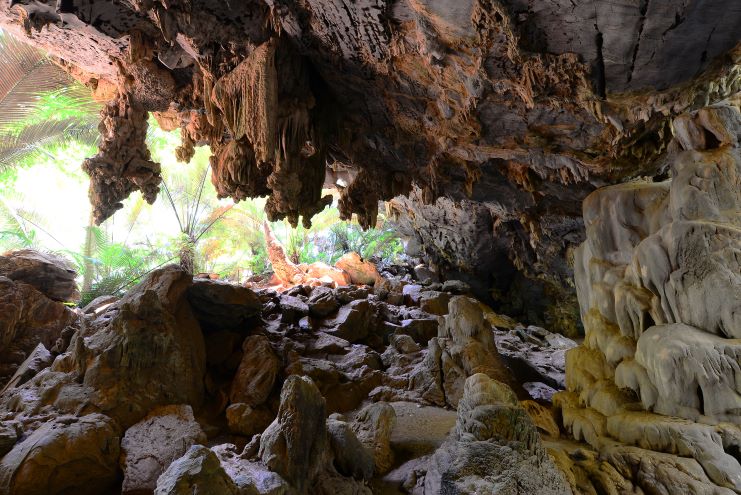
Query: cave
564	177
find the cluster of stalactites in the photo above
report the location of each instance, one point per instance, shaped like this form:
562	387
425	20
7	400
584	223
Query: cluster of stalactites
276	141
123	163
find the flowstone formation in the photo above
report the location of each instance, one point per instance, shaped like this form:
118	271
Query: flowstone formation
655	386
492	119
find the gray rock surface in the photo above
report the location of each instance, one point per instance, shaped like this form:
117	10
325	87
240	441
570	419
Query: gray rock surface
257	372
152	444
65	455
198	471
494	449
295	445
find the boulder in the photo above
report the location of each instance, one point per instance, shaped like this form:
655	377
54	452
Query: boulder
246	420
351	458
535	354
292	308
99	304
323	271
221	305
494	449
257	372
197	472
29	318
39	359
457	287
373	426
295	444
48	273
148	447
251	478
361	272
353	322
322	302
434	302
65	455
148	351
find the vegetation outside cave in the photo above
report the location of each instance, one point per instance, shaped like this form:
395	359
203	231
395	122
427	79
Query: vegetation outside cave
49	129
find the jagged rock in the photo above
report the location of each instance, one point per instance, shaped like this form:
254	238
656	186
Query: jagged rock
292	308
464	346
48	273
8	436
99	304
536	354
151	445
28	318
154	331
434	302
424	274
65	455
351	458
457	287
246	420
495	448
322	301
351	293
257	372
198	471
421	330
361	272
353	322
39	359
221	305
251	478
295	444
329	344
373	425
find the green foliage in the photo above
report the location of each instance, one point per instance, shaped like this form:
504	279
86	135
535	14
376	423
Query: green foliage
381	243
41	106
113	267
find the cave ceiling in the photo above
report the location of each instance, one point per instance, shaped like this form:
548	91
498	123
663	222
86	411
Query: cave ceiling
488	121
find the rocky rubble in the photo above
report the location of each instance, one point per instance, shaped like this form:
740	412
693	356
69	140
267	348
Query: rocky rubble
188	384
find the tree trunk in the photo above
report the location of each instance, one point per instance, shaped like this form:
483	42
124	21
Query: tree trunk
87	253
286	271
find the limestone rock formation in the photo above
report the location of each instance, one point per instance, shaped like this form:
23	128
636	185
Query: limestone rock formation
295	445
373	425
222	306
198	471
66	455
658	285
48	273
495	448
151	445
496	119
257	372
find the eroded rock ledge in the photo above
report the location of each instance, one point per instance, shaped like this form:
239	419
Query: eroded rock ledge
488	105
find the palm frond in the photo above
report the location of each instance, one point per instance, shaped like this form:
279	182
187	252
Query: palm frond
35	139
27	73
